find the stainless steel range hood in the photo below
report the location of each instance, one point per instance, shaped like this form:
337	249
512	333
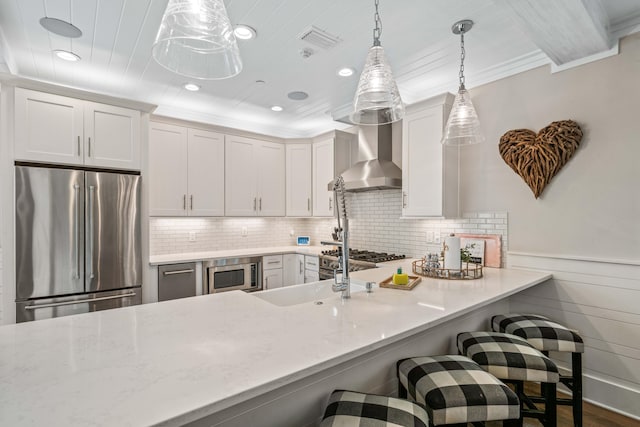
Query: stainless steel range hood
375	169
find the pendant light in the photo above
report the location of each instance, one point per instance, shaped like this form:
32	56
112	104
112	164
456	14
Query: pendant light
463	126
196	39
377	100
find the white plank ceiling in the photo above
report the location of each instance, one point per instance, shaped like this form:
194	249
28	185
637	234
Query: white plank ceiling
510	36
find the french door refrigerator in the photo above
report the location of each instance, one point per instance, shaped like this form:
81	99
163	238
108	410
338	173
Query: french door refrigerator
77	241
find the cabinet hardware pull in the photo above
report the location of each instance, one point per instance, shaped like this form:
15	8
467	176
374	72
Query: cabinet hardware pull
301	270
404	199
330	203
79	152
308	203
184	202
58	304
273	262
171	273
191	201
254	203
89	146
261	203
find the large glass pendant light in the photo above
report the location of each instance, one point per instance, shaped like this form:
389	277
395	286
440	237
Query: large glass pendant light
463	126
196	39
377	100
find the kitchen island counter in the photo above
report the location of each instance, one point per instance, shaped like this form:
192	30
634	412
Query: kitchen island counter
219	357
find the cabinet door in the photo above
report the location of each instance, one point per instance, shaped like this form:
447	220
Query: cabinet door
240	176
323	173
48	128
293	269
311	276
270	161
167	170
112	136
298	182
423	166
272	278
205	173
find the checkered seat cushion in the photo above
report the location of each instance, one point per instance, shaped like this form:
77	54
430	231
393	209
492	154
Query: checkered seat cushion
455	389
352	409
508	357
539	331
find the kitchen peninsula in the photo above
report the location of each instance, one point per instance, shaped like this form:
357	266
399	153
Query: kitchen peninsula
235	358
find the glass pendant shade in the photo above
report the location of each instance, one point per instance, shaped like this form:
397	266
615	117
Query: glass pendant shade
377	100
196	39
463	126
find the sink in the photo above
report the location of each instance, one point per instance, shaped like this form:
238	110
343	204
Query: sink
300	294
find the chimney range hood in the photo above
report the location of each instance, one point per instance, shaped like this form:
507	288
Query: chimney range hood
375	170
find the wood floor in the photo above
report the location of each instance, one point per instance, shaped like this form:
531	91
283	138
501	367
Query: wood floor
593	416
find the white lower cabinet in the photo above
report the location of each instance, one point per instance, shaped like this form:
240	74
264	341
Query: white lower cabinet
293	269
272	271
311	268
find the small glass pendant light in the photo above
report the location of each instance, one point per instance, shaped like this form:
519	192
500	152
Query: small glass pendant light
463	126
377	100
196	39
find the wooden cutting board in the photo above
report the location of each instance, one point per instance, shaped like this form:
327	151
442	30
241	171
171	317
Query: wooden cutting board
492	247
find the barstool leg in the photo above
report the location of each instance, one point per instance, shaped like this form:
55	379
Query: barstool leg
576	371
550	405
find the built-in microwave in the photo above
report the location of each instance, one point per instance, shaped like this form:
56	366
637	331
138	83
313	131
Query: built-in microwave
230	274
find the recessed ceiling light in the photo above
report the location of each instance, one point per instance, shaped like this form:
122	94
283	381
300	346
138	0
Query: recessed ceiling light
66	55
60	27
346	72
277	108
298	95
244	32
191	87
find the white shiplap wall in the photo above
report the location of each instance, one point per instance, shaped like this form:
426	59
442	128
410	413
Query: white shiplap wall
601	300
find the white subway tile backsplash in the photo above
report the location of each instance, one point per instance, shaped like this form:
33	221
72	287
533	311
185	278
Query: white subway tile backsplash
374	218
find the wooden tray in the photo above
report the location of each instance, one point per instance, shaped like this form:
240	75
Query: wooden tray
388	283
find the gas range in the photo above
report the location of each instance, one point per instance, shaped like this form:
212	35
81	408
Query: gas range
358	260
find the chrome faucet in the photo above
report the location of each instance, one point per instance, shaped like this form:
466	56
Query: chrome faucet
342	285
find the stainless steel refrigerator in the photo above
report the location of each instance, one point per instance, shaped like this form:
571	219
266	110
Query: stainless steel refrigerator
77	241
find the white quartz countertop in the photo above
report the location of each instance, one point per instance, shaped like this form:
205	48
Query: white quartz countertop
173	362
235	253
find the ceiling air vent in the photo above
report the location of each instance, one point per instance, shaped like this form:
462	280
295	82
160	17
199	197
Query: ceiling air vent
316	37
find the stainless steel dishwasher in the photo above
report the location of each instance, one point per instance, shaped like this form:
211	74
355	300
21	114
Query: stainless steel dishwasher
176	281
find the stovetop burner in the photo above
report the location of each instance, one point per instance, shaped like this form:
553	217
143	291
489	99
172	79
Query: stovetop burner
366	256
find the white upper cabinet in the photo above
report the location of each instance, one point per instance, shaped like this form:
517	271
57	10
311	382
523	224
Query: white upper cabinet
186	171
112	136
58	129
254	177
429	169
298	179
331	157
323	173
205	173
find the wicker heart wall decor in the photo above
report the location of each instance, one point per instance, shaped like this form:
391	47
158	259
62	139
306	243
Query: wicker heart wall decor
537	158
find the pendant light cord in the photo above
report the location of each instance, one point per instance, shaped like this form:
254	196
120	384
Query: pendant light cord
462	55
377	32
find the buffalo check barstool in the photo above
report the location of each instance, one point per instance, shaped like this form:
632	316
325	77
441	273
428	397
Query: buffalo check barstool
546	335
456	391
353	409
512	359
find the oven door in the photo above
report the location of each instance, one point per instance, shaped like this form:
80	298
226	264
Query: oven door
243	277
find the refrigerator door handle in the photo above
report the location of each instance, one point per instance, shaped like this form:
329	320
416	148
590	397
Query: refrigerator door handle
81	301
90	229
76	230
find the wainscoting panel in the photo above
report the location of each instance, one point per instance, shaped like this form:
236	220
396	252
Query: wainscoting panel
601	300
